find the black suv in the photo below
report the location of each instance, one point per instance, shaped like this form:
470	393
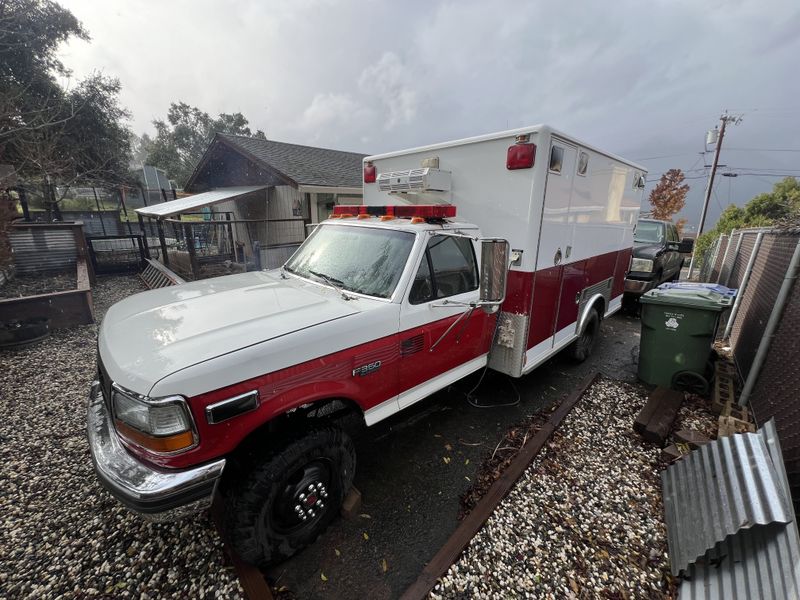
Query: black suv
657	256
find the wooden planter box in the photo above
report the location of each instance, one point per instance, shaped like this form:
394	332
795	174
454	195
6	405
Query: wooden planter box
64	309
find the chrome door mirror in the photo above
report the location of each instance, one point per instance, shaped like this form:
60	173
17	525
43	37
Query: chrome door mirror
494	273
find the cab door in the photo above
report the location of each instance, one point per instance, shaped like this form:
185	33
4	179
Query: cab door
429	359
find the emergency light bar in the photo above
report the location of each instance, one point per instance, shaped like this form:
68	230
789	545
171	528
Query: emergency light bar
406	211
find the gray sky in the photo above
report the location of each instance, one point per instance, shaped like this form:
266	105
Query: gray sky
642	79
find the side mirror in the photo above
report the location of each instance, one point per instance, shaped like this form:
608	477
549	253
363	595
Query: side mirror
494	273
686	246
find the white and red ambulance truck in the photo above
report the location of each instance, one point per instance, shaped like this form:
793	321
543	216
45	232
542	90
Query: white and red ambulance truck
497	251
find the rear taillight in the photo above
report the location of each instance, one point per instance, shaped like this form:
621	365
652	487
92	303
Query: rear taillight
370	173
520	156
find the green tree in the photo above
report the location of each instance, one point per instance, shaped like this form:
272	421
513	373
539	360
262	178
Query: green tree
182	139
46	132
782	204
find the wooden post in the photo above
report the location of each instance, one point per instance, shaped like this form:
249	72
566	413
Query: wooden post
187	232
162	240
230	237
23	200
82	249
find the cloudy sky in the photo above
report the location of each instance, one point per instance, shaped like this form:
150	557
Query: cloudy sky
642	79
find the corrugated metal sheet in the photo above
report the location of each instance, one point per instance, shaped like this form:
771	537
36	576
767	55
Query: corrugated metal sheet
41	249
726	485
760	562
192	203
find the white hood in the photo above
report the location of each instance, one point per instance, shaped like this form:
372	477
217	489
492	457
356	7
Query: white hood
150	335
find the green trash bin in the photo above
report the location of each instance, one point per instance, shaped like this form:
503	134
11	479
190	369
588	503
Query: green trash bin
679	323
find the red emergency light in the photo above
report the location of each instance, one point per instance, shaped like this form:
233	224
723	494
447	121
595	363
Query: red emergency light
404	211
370	172
520	156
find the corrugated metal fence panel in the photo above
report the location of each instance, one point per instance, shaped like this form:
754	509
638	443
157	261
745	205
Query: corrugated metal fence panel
758	299
777	390
723	245
40	249
724	486
742	258
761	562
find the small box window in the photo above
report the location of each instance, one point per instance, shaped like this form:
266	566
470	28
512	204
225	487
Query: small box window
556	159
583	163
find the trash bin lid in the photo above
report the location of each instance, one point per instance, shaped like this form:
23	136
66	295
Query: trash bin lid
694	285
700	295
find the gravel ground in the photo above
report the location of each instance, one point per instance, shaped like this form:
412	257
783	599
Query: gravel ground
32	285
586	518
61	534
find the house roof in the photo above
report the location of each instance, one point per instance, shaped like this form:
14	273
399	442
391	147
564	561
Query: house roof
305	165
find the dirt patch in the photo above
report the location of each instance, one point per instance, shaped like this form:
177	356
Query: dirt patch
34	285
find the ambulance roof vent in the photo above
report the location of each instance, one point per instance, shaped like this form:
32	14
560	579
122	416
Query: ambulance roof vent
415	180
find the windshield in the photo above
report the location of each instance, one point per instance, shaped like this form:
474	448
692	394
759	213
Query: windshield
649	232
357	259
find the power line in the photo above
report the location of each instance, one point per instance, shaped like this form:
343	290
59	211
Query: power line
663	156
764	149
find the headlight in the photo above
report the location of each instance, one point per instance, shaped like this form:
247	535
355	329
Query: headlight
162	425
643	265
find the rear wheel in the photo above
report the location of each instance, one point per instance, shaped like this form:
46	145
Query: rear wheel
289	496
689	381
583	346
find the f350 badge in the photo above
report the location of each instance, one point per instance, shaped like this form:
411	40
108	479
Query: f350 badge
366	369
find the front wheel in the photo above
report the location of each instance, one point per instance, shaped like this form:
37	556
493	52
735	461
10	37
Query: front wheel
583	346
289	496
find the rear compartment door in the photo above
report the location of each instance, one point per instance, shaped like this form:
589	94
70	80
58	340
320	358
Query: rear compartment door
555	276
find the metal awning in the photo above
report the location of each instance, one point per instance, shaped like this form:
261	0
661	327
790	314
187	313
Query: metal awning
190	203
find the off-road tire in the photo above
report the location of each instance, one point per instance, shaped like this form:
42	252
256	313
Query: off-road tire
251	502
581	349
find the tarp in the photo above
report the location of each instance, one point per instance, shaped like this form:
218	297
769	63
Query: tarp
197	201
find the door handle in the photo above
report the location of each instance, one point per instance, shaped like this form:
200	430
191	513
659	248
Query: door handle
569	251
557	257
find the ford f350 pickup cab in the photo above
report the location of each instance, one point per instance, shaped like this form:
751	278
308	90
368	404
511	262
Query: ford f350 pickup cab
491	252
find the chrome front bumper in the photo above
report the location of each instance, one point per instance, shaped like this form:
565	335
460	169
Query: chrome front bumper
156	494
639	286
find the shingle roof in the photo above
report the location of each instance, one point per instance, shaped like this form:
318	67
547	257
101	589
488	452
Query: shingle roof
305	165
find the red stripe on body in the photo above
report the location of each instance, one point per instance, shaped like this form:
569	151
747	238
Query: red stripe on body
331	376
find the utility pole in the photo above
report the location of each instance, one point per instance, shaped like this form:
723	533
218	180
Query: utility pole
710	184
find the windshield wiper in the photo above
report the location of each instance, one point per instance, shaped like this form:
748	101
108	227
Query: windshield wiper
336	284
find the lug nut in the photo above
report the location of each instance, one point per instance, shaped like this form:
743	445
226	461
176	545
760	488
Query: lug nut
321	504
311	513
324	494
302	497
298	508
303	517
311	487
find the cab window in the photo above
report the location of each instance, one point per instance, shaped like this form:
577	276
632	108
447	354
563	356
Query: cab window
448	268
